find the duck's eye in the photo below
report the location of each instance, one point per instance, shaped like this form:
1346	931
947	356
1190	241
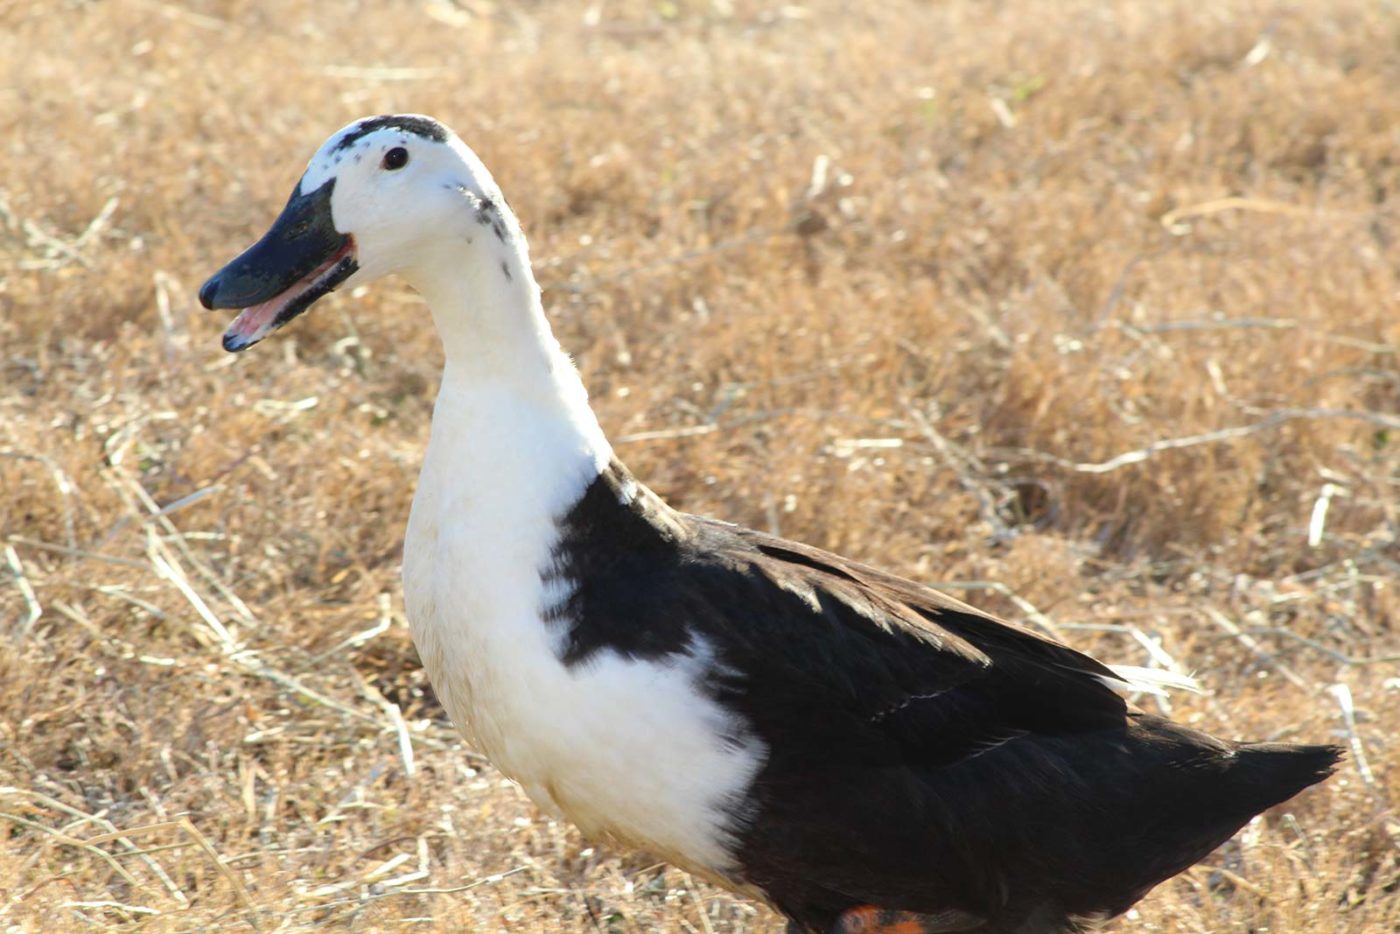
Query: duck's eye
395	158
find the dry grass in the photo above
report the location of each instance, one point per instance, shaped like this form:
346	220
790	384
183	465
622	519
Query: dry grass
1097	301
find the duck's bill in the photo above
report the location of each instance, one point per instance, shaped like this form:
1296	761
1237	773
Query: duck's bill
301	258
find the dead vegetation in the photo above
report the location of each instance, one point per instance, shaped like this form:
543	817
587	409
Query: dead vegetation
1085	311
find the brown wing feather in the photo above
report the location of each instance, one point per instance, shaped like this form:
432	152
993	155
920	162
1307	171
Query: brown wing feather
942	620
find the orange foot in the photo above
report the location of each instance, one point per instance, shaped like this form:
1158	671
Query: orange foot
868	919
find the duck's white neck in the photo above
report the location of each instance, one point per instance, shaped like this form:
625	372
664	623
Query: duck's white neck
634	749
497	342
514	445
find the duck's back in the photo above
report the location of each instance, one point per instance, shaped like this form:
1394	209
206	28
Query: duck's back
917	754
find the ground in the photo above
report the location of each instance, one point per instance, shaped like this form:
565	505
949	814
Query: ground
1084	311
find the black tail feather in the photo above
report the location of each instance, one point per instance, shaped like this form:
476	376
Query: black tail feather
1280	771
1220	796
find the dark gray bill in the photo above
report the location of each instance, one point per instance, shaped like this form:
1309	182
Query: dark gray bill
299	259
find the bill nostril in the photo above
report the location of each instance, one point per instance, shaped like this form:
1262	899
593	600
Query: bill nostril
208	291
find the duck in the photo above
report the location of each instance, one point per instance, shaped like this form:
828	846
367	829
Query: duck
858	751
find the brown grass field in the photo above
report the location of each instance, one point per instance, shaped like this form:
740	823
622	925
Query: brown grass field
1085	311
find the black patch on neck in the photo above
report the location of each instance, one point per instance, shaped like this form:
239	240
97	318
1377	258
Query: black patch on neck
487	215
418	126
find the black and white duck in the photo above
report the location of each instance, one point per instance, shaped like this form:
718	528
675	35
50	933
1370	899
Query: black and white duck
859	751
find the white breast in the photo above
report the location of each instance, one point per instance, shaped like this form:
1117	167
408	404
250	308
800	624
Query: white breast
632	749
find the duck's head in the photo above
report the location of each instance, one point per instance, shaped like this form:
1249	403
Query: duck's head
375	199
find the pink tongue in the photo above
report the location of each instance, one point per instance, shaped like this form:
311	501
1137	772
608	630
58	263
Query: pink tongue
252	321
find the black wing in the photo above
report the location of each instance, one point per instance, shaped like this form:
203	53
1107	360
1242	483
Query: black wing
935	676
919	754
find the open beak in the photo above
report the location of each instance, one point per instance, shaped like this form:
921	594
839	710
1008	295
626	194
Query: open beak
299	259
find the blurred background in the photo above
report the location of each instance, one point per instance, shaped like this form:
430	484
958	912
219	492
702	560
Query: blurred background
1083	311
